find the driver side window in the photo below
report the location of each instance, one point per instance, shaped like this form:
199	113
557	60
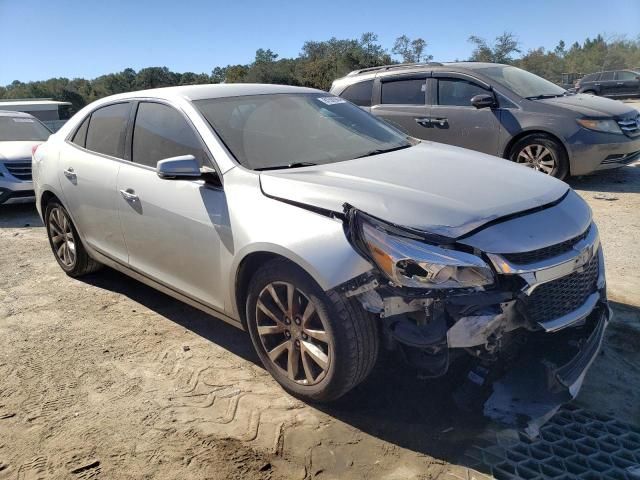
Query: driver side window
457	92
162	132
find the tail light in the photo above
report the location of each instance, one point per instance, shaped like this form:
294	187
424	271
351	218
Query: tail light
34	149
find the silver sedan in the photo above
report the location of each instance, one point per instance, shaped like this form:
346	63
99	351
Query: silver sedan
328	234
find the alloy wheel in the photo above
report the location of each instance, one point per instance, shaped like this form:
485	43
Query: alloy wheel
538	157
64	244
293	333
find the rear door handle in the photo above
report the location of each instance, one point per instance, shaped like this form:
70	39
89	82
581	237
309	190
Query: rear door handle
442	122
69	173
423	121
129	195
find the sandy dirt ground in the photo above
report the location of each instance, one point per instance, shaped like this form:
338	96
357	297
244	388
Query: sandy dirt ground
104	377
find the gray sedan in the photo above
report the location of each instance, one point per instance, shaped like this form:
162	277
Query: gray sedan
328	234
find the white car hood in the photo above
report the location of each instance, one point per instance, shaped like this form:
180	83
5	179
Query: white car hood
432	187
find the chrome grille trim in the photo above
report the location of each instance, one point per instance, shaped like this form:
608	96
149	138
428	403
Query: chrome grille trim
21	170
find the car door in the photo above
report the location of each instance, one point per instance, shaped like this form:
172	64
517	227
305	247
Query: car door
173	228
89	163
628	83
607	84
455	121
401	101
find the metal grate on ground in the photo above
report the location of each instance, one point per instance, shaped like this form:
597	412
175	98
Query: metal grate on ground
574	444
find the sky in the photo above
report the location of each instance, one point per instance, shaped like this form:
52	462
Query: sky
88	38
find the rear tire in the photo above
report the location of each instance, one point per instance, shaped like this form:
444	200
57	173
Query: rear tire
590	92
316	345
65	242
541	152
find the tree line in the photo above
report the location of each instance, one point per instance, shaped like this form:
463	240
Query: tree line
321	62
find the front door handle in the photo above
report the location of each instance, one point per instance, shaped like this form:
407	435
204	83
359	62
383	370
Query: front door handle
423	121
129	195
441	122
69	173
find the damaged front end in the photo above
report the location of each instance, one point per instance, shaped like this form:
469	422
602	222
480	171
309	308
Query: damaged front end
525	327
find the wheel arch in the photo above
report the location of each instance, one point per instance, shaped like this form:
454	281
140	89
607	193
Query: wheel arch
537	131
249	262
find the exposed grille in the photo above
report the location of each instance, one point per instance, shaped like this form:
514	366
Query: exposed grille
630	126
20	170
557	298
626	158
532	256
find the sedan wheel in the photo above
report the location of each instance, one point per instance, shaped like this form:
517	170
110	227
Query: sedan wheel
538	157
64	245
292	333
318	345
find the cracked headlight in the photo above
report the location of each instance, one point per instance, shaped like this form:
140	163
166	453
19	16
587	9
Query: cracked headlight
411	262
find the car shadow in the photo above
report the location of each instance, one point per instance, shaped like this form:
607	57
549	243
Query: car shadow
392	404
20	215
620	180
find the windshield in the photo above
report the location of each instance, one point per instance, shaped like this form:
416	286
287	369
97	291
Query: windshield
523	83
22	129
291	130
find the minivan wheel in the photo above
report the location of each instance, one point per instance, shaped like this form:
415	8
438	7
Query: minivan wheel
590	92
542	153
65	242
318	346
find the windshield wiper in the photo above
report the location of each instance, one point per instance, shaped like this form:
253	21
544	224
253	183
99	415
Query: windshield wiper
383	150
290	165
546	95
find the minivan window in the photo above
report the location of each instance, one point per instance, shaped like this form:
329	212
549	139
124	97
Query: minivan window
80	138
359	93
627	75
14	129
162	132
290	130
606	76
457	92
404	92
521	82
107	129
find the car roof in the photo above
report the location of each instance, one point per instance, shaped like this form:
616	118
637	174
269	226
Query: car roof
419	67
10	113
221	90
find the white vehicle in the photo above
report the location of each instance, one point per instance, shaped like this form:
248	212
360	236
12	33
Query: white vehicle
52	113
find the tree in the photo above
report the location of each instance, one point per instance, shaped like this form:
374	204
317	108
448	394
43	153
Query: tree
411	51
501	51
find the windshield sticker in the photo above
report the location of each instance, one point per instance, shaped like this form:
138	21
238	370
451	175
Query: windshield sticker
23	120
331	100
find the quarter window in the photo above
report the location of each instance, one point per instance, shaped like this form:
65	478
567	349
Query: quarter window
404	92
162	132
80	137
457	92
107	129
359	93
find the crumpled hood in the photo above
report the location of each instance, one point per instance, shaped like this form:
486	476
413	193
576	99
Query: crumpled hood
432	187
590	105
17	150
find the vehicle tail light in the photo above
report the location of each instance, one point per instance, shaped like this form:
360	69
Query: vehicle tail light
34	149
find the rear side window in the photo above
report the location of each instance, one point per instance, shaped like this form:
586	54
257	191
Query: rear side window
457	92
359	93
404	92
590	78
107	129
162	132
627	75
80	138
606	76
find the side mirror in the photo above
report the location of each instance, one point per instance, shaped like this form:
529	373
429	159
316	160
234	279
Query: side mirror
179	168
484	100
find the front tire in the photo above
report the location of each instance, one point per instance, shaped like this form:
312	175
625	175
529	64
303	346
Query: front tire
318	346
541	152
65	242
